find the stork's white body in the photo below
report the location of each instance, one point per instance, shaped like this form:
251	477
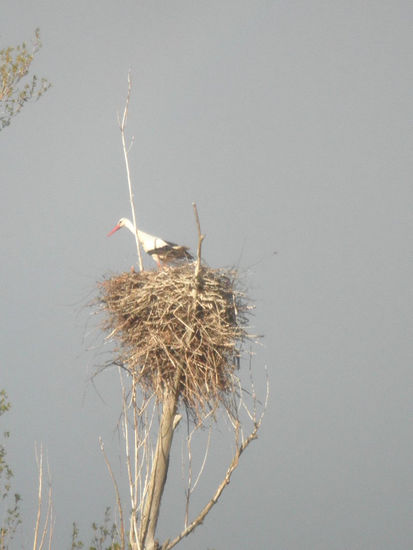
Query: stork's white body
160	250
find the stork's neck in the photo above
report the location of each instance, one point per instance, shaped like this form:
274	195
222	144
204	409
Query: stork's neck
148	242
141	234
129	225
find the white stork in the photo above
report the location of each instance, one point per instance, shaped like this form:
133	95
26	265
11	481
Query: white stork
160	250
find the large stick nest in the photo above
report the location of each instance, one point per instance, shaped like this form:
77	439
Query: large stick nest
170	319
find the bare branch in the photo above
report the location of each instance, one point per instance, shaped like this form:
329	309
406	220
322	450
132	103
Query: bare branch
204	460
47	519
132	486
126	156
191	487
138	449
200	239
118	501
52	522
221	487
241	444
39	461
48	526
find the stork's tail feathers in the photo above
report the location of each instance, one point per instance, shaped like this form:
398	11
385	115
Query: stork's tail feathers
182	252
172	253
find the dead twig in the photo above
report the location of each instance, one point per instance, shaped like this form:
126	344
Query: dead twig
48	525
201	237
118	500
191	486
200	518
122	126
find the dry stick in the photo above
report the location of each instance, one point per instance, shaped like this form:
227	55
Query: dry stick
240	448
253	435
39	460
135	458
48	517
125	153
132	488
52	521
146	453
112	475
203	461
160	465
49	524
140	457
46	528
200	239
188	490
191	487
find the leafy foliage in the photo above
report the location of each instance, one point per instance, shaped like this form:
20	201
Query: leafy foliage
9	511
15	64
105	536
105	533
76	543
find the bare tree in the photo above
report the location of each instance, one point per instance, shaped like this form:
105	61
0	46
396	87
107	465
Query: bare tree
180	334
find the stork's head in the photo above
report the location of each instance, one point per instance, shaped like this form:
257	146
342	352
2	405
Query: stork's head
121	223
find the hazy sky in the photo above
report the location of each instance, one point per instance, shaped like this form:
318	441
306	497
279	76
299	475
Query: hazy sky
289	123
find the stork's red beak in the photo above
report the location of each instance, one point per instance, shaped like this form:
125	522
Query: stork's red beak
116	228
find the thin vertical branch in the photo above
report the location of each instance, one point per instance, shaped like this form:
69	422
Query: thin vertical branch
39	461
47	527
191	486
52	520
137	451
203	461
135	458
189	483
125	154
118	501
48	517
200	239
132	488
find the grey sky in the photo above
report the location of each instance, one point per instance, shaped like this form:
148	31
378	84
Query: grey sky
289	123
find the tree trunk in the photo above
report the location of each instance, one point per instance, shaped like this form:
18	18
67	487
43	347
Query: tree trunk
159	472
